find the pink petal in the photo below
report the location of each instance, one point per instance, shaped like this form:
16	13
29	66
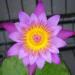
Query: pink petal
56	29
53	49
25	61
14	50
8	26
58	42
23	17
47	56
40	62
64	34
40	8
55	58
15	36
43	18
32	59
20	26
22	53
33	19
54	20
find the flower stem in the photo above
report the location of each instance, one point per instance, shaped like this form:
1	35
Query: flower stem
31	69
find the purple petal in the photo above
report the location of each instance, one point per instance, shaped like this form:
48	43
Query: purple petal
15	36
40	8
32	59
56	29
43	18
20	26
33	19
25	60
55	58
8	26
40	62
58	42
53	49
23	17
22	53
47	56
64	34
54	20
14	50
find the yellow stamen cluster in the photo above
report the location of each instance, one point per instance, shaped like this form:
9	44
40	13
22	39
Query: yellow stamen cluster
36	38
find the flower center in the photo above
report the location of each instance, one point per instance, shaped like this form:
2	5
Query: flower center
36	38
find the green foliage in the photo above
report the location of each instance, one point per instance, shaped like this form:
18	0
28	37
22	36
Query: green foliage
53	69
13	66
0	71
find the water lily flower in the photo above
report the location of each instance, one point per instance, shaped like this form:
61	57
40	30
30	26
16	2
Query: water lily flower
37	38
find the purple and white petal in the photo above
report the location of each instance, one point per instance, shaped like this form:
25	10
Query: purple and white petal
40	62
47	56
23	17
32	59
54	49
20	26
43	18
34	19
15	36
55	59
58	42
22	53
56	30
25	60
54	20
13	51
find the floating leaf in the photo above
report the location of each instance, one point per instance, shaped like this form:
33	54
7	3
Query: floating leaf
0	71
13	66
53	69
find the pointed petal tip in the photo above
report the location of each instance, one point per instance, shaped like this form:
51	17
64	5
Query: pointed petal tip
10	53
65	34
40	8
13	51
21	12
54	20
8	26
23	17
56	16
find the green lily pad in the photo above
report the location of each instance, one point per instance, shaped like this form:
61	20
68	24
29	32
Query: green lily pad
0	71
13	66
53	69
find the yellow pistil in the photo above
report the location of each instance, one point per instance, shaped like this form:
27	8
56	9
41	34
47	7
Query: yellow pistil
36	38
